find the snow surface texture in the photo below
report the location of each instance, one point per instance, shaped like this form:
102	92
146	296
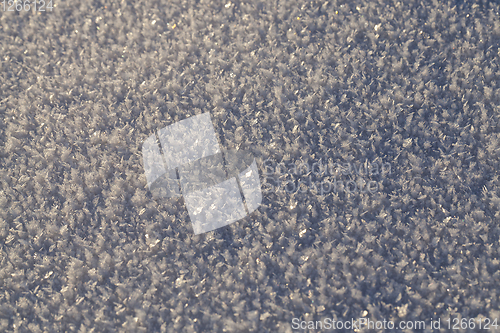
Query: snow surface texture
85	248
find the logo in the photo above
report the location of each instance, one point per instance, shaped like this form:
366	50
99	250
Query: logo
185	159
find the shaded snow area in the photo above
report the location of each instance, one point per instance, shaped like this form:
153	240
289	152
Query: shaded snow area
375	129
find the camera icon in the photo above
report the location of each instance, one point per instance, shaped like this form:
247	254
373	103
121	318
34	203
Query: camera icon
185	159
